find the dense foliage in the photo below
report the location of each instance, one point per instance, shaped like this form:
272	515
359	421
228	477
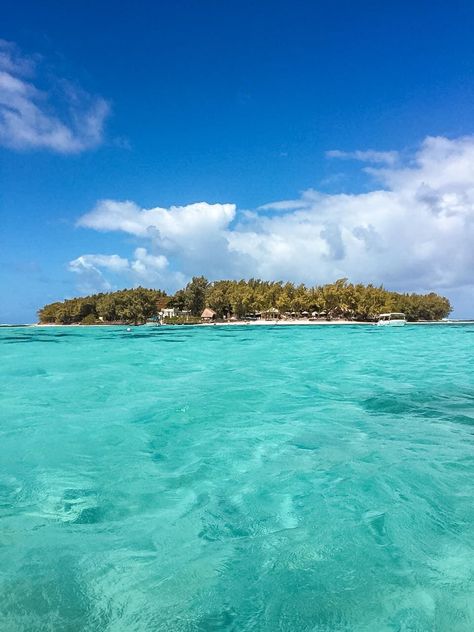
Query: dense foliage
193	298
334	300
130	306
239	298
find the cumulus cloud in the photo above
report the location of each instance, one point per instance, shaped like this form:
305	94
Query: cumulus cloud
109	262
89	268
143	268
148	266
64	118
201	220
369	155
196	233
414	230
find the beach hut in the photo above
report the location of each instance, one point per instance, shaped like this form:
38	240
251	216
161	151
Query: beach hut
208	314
271	313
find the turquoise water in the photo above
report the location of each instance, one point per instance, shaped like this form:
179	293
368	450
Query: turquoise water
237	478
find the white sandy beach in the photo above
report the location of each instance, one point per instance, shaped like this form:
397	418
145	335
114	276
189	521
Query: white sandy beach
290	321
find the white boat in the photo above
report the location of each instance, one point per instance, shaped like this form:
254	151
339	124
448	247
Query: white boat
393	319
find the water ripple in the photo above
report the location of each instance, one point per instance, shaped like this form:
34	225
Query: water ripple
240	478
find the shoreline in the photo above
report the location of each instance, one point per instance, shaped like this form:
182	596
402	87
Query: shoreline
251	323
291	321
233	323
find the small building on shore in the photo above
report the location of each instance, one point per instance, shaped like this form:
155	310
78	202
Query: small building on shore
168	312
208	315
271	314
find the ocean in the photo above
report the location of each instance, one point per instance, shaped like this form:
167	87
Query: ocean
237	478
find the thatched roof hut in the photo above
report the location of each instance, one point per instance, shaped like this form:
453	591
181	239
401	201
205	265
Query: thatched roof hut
271	313
208	314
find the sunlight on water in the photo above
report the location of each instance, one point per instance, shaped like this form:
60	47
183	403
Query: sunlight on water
268	478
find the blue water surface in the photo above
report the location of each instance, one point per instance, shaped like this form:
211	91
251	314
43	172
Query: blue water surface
254	478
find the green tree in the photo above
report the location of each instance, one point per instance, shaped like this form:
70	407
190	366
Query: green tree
338	299
90	319
195	295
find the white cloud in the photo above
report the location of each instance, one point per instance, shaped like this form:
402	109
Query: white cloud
65	119
148	266
196	233
414	232
12	61
89	268
144	268
114	263
369	155
307	199
201	220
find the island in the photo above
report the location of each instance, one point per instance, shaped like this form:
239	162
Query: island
251	300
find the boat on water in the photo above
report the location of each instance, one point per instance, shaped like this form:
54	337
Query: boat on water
392	319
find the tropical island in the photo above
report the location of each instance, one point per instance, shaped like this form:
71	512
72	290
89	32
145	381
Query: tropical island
245	299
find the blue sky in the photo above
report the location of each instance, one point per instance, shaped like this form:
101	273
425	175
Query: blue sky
144	143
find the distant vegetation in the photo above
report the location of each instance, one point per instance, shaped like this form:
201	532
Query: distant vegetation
126	306
240	298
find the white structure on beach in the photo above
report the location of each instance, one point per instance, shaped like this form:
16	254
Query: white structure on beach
168	312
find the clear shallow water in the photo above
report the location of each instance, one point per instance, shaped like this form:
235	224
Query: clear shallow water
237	478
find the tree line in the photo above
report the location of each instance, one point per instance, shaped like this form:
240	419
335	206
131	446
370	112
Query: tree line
125	306
340	299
